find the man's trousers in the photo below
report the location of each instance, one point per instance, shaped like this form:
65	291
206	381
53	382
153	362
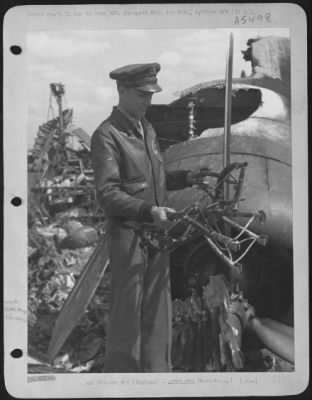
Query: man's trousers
139	334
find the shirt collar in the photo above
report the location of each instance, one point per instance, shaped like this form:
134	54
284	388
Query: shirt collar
124	123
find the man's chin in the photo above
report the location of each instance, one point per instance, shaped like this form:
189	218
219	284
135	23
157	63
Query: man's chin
138	114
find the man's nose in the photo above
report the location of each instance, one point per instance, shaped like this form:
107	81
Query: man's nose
148	100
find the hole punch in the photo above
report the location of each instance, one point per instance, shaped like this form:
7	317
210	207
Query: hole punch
16	353
16	201
16	50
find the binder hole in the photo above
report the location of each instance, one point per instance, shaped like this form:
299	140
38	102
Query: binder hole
16	201
16	353
16	50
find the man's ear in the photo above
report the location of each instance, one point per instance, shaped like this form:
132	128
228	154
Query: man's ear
121	89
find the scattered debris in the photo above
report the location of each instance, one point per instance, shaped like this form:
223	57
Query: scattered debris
64	225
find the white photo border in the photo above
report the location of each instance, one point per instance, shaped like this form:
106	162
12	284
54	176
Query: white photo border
21	20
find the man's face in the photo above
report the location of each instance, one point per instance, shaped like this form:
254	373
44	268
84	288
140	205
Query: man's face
134	101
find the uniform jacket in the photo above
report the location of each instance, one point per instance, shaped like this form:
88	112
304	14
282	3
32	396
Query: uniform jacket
129	170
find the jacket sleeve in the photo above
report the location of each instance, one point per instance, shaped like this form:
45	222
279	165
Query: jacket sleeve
176	180
111	197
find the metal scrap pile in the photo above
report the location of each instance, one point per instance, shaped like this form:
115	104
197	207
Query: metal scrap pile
203	339
52	274
64	224
206	339
59	168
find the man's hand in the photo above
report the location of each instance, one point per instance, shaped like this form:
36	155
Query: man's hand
193	176
160	218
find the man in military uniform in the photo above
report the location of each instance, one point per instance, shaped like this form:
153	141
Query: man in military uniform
131	186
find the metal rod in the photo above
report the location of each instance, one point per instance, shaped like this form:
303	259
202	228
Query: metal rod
58	91
233	268
191	117
261	239
228	113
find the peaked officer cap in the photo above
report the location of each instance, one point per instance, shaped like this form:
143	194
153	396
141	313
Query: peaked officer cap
139	76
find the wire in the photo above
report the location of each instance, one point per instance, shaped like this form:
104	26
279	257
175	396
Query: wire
243	230
246	240
245	252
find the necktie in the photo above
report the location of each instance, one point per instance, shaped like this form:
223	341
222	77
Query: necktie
140	128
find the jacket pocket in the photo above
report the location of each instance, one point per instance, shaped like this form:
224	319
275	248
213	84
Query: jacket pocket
136	189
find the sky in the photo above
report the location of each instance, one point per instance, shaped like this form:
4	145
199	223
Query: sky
82	60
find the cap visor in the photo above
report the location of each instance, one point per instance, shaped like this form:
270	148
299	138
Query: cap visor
152	88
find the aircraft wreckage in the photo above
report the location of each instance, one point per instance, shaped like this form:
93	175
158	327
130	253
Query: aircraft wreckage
231	238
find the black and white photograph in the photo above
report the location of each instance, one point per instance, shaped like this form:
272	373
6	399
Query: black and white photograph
162	240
